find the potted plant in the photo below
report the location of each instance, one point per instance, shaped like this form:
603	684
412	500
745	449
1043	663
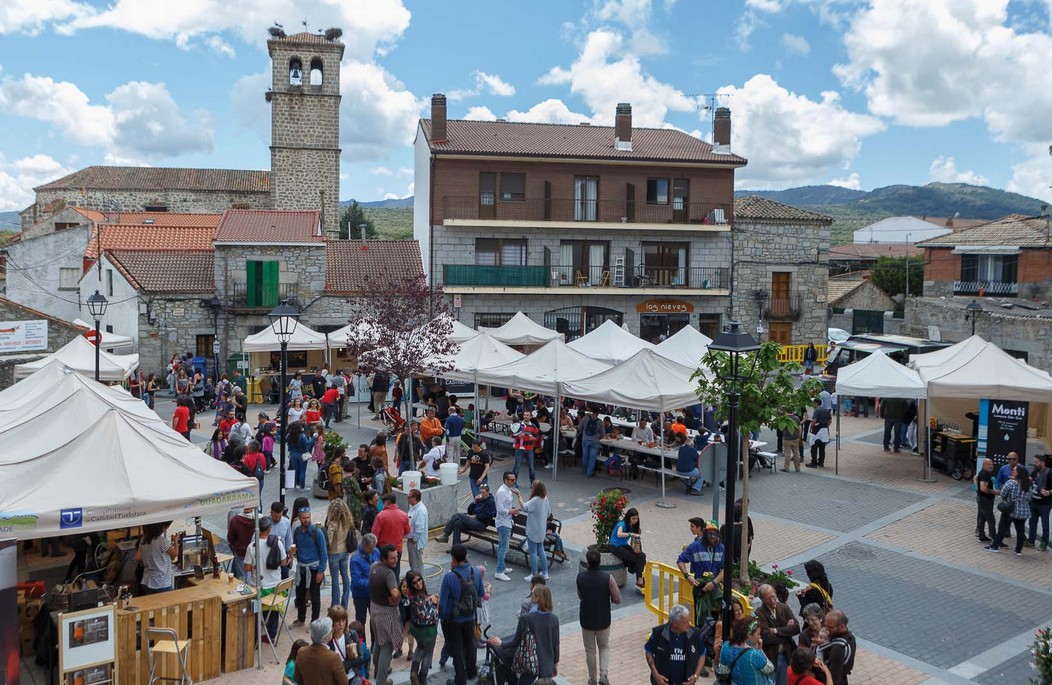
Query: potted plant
1042	653
607	509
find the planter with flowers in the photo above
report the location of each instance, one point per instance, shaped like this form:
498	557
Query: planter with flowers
1042	653
607	509
758	577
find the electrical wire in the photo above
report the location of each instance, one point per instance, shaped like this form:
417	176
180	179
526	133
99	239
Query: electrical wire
77	302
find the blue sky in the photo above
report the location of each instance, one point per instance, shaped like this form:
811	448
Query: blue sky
861	94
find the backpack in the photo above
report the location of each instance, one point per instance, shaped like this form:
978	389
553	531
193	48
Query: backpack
469	601
592	427
525	660
274	555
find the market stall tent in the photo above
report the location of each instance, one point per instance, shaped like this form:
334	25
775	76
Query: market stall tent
479	353
303	339
522	330
543	370
610	343
462	333
79	355
114	342
878	375
91	464
987	372
686	346
966	347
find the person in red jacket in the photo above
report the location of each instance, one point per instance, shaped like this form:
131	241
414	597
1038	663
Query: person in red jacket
254	457
329	403
390	527
181	418
239	532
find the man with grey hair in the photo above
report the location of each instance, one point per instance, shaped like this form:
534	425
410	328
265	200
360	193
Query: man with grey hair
674	650
317	664
777	628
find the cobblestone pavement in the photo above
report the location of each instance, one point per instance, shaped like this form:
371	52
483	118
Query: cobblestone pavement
927	604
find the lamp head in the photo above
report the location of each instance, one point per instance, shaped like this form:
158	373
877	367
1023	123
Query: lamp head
214	303
283	319
97	304
734	340
974	307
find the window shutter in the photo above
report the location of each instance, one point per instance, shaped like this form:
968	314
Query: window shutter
252	281
270	284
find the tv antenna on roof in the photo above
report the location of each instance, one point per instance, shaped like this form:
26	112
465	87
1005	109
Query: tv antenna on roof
708	102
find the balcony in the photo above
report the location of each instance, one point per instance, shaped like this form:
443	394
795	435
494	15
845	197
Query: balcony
556	276
607	214
985	288
783	309
272	293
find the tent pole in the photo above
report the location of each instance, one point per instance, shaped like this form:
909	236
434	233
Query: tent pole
836	455
926	477
557	434
259	600
663	503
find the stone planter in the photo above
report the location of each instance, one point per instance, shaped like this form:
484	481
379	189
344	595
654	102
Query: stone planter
441	503
611	564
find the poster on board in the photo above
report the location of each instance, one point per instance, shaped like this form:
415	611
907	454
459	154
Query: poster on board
9	644
86	638
23	336
1002	429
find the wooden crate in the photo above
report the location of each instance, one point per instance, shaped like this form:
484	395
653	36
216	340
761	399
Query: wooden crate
193	615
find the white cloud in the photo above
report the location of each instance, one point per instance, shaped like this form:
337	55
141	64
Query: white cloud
1033	176
944	170
18	178
606	73
30	16
381	171
934	62
635	16
494	84
141	120
789	138
853	182
220	46
480	113
796	44
377	112
396	196
550	111
405	171
248	103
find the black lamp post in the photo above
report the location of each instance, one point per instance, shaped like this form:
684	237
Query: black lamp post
283	319
734	341
215	304
97	304
974	310
760	296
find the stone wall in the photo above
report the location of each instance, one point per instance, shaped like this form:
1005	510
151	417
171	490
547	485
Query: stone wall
868	297
59	332
1012	332
300	177
178	320
183	201
763	248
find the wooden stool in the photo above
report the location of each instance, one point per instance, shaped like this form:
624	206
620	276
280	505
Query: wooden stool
161	641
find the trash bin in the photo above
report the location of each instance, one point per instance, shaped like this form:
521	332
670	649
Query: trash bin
200	364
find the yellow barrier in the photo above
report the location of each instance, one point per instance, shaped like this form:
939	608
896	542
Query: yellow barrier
795	353
666	587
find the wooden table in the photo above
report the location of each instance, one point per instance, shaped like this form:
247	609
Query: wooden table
239	622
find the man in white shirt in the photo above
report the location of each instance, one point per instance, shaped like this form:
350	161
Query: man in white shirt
243	430
643	433
270	576
505	511
417	538
433	459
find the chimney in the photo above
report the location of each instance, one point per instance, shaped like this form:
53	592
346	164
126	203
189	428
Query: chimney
721	131
623	127
438	118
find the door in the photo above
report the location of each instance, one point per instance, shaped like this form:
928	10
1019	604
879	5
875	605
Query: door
781	332
866	321
781	282
586	198
680	199
664	264
487	195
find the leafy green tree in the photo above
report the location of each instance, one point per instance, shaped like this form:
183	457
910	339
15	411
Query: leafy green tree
351	217
769	392
889	274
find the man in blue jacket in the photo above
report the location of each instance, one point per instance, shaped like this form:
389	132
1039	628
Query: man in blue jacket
454	431
313	557
365	556
458	621
480	516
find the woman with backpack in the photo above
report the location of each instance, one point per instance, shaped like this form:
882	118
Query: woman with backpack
342	541
743	658
423	625
300	447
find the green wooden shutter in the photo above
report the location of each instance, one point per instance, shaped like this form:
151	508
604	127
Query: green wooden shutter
252	282
270	284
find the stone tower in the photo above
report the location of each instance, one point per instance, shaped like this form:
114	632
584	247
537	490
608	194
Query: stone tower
305	124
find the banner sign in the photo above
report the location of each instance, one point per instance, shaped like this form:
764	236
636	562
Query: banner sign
1002	429
23	336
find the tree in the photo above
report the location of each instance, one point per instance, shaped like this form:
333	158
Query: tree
768	395
352	217
402	327
889	274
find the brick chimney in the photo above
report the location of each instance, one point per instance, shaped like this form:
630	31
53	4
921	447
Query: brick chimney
438	118
623	127
721	131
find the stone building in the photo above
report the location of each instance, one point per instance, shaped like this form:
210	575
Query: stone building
858	306
781	268
59	332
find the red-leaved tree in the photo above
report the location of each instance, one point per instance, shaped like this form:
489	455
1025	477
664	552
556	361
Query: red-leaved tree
402	327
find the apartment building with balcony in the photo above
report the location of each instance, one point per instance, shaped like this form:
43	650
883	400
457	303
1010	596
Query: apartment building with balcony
575	225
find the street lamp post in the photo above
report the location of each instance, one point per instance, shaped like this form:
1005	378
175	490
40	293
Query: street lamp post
97	304
761	297
735	342
974	309
283	319
215	304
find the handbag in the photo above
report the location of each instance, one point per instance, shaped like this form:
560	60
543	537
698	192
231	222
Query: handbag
1005	506
723	675
524	660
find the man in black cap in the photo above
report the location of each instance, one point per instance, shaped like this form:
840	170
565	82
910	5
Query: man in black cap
457	605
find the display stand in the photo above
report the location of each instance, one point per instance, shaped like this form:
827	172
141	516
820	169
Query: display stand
87	653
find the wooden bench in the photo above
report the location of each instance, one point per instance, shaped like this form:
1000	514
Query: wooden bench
518	538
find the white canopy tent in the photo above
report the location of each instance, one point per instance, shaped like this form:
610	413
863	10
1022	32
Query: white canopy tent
987	372
610	343
114	342
303	338
522	330
645	381
878	375
966	347
686	346
479	353
462	333
79	355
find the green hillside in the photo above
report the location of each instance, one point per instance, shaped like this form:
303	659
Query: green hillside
391	222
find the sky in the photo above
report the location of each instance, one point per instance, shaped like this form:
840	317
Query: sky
845	92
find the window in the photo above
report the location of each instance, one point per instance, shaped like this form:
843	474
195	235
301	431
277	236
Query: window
64	226
680	193
586	198
315	72
512	187
109	282
69	279
261	284
500	252
989	268
657	191
492	320
583	262
709	324
781	285
155	208
664	264
573	322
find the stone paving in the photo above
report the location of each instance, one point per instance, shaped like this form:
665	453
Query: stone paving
928	605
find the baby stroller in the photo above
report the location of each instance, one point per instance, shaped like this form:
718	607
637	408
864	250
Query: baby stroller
496	669
392	420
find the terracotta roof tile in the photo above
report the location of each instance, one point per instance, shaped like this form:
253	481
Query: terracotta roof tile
872	251
838	288
304	37
168	232
566	141
269	226
756	208
1014	230
161	178
351	270
167	271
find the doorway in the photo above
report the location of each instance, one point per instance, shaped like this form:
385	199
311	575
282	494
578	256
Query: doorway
781	332
656	327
